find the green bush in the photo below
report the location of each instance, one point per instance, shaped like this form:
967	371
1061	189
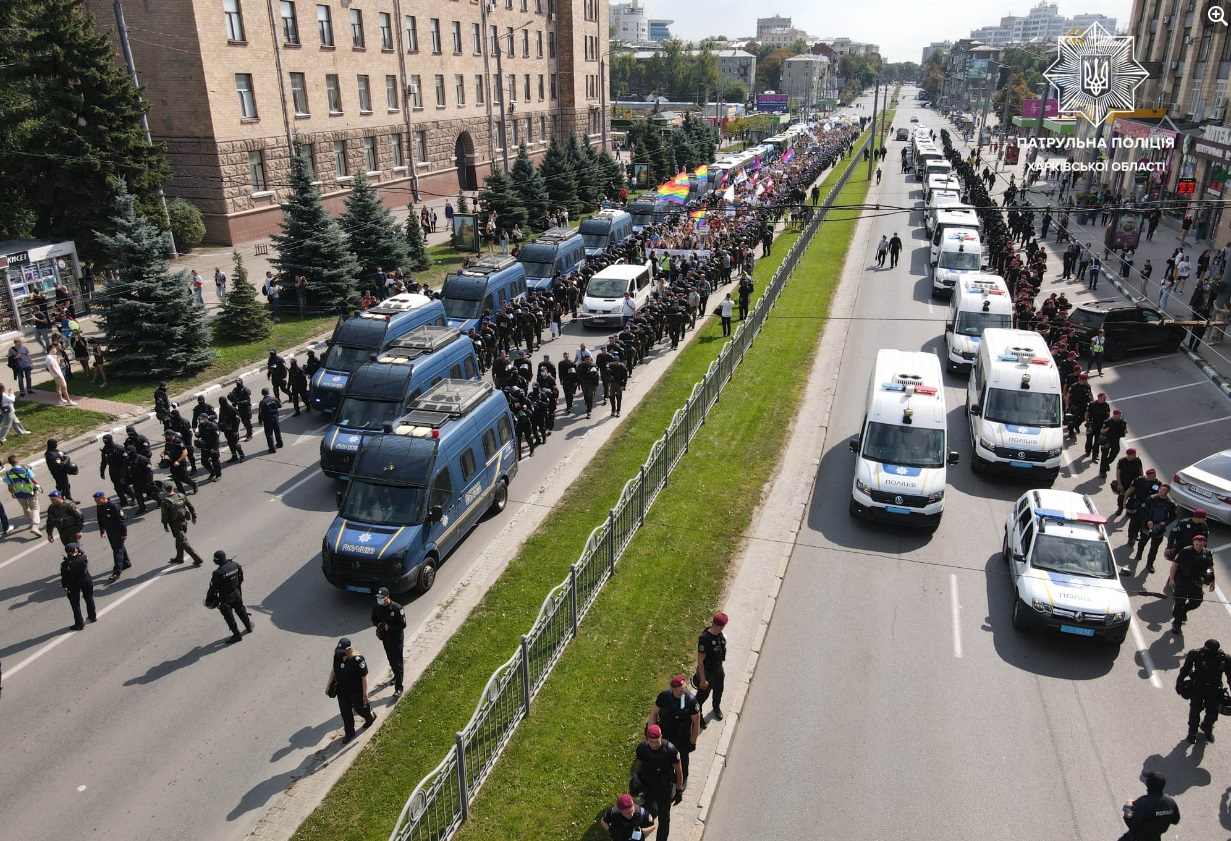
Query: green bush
187	224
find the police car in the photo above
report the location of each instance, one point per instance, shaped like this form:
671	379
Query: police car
1062	568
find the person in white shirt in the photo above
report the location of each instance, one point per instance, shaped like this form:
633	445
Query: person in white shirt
8	415
1182	270
57	374
724	311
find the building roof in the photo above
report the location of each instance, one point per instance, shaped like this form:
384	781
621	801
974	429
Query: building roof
807	57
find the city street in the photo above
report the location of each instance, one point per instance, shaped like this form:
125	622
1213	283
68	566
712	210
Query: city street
892	697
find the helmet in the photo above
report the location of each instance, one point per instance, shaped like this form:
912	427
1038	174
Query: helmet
220	557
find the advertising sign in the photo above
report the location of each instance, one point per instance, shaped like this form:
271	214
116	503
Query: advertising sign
1030	109
1127	226
772	102
976	68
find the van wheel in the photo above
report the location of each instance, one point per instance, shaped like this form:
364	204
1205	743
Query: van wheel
500	499
1019	618
427	575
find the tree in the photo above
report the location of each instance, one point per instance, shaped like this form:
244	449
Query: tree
1017	90
187	224
613	173
312	245
769	69
590	183
72	128
153	325
500	197
418	259
243	317
734	91
558	175
371	233
532	189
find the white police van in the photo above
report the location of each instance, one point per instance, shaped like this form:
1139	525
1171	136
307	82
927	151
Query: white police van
958	253
979	301
901	452
1014	406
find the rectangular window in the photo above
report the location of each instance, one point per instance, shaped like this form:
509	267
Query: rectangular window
324	25
369	153
335	93
525	43
234	20
339	159
529	129
256	170
385	21
497	89
525	5
542	127
356	29
416	91
553	85
433	28
538	44
493	40
490	449
526	88
540	87
505	429
478	89
459	82
538	7
551	45
299	93
391	93
247	100
500	133
476	39
290	24
365	95
512	87
440	90
307	151
395	151
421	146
412	34
456	29
468	465
508	42
516	138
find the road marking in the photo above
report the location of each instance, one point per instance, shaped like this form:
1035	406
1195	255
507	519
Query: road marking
956	609
40	543
1159	391
1176	429
1138	361
65	636
1222	598
302	481
1217	549
310	434
1146	659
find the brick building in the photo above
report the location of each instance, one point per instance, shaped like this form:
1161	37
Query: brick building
408	94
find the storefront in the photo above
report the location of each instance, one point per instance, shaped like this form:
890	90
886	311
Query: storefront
1142	183
1213	150
31	266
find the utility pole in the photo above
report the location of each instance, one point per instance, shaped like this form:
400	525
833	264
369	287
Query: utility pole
875	101
993	71
122	30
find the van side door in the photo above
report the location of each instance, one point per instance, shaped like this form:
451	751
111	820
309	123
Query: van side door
444	532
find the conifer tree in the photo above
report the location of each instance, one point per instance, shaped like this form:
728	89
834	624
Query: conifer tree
371	232
311	245
558	175
463	206
531	188
583	172
152	323
500	197
613	173
243	317
416	247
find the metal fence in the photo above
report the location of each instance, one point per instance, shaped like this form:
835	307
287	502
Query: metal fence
442	800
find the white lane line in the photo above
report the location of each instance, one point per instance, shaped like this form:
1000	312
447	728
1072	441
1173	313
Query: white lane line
1222	598
1159	391
1146	659
310	434
1176	429
302	481
1217	549
1138	361
67	635
40	543
956	609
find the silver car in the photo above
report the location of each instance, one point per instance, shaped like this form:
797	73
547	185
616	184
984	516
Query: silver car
1206	484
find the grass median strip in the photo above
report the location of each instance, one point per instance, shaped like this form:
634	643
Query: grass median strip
366	801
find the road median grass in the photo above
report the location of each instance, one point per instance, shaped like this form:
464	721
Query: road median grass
582	750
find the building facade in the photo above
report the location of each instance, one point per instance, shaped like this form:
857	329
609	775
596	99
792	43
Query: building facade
930	50
783	37
805	78
659	30
409	96
764	25
1042	23
629	22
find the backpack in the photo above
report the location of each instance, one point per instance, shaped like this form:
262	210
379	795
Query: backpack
177	508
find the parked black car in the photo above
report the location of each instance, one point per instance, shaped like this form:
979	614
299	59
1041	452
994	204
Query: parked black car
1128	327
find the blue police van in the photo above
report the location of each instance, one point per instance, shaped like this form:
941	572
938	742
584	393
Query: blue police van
650	209
556	253
483	286
356	339
415	492
379	392
604	229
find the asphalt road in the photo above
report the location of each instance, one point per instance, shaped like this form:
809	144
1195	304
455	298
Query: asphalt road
893	699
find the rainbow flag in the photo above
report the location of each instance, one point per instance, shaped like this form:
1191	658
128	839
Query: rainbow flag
789	156
696	215
702	173
674	191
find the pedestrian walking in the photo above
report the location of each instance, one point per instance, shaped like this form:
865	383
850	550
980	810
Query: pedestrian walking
229	422
1152	814
676	711
711	657
141	474
659	769
209	439
1183	268
1192	569
895	250
65	518
1157	513
220	284
390	621
198	287
22	367
24	487
8	415
267	414
348	682
626	821
56	370
617	374
77	585
275	373
113	457
98	363
113	526
177	513
878	176
227	594
882	251
588	378
1200	682
1113	432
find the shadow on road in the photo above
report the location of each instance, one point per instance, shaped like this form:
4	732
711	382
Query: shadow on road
168	667
1181	768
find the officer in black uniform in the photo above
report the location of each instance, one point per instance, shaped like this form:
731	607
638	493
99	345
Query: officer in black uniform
275	372
1097	414
311	365
626	821
676	711
618	377
241	399
226	590
162	402
1113	432
77	584
60	467
1128	470
200	410
711	655
112	457
228	422
658	766
177	461
390	621
1185	530
588	377
745	295
297	384
568	380
178	424
1157	513
1203	671
1150	815
1139	491
141	473
209	438
348	682
1192	569
267	414
136	439
177	513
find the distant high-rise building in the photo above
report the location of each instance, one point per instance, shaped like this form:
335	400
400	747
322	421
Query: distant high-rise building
930	49
766	24
1042	23
659	30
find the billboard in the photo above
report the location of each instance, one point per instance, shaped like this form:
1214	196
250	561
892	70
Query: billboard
976	68
772	102
1030	109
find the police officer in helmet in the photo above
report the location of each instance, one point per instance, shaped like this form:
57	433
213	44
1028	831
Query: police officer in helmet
1200	682
226	591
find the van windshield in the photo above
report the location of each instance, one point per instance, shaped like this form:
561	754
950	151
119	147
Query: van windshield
598	240
607	287
912	446
383	505
534	269
463	309
344	358
963	261
1022	407
642	220
365	413
974	323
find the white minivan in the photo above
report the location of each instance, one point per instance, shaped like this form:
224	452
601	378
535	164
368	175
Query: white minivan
962	217
959	254
979	301
603	301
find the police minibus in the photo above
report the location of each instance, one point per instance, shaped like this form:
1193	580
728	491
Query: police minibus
979	301
650	209
960	253
555	253
962	217
604	229
481	287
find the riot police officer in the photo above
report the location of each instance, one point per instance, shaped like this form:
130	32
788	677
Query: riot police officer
176	455
676	711
588	377
1200	682
77	584
618	376
209	438
1156	514
112	457
135	439
228	422
1192	569
297	384
1141	489
177	512
141	473
711	656
200	410
226	591
162	402
241	399
178	424
275	372
390	621
568	380
267	414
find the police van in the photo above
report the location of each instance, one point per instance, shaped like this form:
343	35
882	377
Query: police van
979	301
962	217
481	287
1014	406
556	253
413	494
901	451
603	301
379	392
605	229
940	182
939	200
355	340
959	254
649	209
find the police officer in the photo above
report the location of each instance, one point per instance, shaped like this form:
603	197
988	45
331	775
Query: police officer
77	584
1097	414
745	295
177	512
1184	531
275	372
136	439
568	380
658	766
1077	398
241	399
226	590
1150	815
162	402
1113	432
141	473
348	682
523	424
65	517
1098	345
1156	514
297	382
1128	470
676	711
626	821
111	525
267	414
390	621
113	457
588	378
711	655
228	422
209	437
618	378
200	410
60	467
1200	682
177	461
180	426
1139	491
1192	568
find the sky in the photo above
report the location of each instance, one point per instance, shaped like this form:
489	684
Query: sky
902	28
